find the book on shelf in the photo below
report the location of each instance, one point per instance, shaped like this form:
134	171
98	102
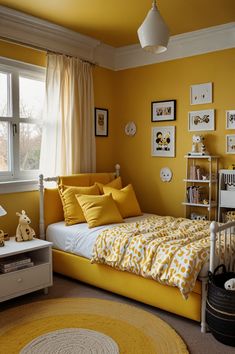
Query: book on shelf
18	267
196	172
195	194
14	261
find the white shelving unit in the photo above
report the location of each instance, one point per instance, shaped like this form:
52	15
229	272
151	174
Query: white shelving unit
210	166
26	280
226	191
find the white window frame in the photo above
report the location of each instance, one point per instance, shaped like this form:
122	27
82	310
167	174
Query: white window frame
17	69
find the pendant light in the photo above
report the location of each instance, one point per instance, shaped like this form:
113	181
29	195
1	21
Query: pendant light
153	33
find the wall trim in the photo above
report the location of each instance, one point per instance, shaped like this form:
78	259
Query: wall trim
17	186
29	30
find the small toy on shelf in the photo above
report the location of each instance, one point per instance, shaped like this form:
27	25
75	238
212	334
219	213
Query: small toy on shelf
230	284
2	243
24	232
198	146
195	216
205	201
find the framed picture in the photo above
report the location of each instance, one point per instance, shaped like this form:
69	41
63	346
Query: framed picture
230	144
163	141
101	122
200	94
163	110
201	120
230	119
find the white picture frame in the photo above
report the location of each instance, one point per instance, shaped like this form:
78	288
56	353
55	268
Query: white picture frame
201	93
230	119
230	144
201	120
163	141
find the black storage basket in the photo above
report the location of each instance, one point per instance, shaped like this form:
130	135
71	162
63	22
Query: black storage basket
220	307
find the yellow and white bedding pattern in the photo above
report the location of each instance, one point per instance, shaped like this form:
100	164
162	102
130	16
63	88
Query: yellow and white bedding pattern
167	249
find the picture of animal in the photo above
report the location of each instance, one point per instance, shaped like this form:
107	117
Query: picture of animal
24	232
163	141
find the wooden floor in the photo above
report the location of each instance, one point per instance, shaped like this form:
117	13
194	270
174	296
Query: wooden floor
189	330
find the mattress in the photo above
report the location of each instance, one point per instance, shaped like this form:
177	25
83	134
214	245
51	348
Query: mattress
79	239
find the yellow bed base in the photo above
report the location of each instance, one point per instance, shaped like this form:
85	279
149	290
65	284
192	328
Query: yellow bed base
127	284
130	285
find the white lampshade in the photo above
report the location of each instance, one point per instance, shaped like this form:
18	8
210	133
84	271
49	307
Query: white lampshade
153	33
2	211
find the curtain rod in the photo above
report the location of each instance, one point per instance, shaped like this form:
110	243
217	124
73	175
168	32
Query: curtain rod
43	49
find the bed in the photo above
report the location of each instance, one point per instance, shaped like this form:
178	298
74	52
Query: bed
79	266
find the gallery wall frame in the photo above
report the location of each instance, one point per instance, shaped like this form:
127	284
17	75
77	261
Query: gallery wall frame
163	141
101	122
201	93
201	120
162	111
230	119
230	144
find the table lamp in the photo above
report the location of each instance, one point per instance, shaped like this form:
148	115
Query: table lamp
2	211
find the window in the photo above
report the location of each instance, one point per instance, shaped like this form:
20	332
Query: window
22	88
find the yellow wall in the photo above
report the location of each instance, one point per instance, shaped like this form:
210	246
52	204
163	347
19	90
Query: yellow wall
135	89
128	95
104	88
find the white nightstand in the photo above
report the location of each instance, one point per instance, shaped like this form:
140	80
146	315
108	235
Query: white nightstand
26	280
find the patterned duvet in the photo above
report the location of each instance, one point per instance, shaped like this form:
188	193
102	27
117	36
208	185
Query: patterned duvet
167	249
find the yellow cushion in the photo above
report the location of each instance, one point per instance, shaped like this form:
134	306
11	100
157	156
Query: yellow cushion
99	209
72	211
116	183
126	200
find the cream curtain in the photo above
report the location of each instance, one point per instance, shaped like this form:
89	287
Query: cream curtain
68	139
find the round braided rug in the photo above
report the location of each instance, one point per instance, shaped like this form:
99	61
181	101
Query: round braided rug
105	324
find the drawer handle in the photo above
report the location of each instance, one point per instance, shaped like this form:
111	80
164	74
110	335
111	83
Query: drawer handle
19	280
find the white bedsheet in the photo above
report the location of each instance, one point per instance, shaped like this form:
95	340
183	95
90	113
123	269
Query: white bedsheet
78	238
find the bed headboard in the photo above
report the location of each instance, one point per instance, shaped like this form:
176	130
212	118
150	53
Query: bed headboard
51	209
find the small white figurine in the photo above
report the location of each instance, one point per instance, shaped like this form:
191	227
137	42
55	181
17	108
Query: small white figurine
24	232
2	243
198	146
230	284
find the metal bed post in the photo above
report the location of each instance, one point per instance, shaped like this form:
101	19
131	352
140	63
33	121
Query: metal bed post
41	208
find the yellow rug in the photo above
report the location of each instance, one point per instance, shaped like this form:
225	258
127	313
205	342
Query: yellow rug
127	328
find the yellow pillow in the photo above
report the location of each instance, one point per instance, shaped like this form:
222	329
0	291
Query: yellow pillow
99	209
126	200
116	183
72	211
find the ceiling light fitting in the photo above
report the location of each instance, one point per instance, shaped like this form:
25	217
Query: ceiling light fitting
153	33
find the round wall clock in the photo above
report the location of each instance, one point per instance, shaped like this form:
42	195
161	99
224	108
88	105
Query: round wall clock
166	174
130	129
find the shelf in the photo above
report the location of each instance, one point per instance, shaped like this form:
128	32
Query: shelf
201	157
211	205
199	181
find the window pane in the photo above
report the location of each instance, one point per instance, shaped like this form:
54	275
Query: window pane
4	95
30	144
31	98
4	145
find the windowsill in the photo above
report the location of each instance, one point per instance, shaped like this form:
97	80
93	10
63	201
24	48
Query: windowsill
16	186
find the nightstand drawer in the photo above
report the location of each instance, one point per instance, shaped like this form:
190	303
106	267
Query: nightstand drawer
25	279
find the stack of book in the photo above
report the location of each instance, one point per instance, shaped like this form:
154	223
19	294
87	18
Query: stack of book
14	263
195	194
196	172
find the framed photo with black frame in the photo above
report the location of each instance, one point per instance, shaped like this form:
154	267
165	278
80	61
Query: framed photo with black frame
101	121
162	111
